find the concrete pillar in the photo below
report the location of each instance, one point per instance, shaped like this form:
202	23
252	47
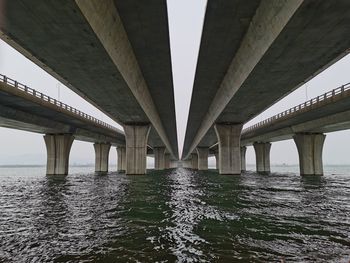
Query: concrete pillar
262	155
217	160
243	161
203	153
194	161
159	158
121	152
229	137
58	148
101	156
136	148
167	161
310	148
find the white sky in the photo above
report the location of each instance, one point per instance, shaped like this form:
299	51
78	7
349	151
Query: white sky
185	22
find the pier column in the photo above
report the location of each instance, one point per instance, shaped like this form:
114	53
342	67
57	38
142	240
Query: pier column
243	160
159	158
203	153
310	148
194	161
58	148
101	156
229	137
167	161
136	148
216	160
121	152
262	155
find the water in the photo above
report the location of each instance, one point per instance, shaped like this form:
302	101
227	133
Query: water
174	216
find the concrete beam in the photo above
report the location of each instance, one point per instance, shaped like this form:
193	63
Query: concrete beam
121	162
243	159
105	21
262	155
310	148
101	156
203	153
270	18
136	148
229	136
159	158
58	148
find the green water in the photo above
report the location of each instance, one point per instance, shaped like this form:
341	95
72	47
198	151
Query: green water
176	215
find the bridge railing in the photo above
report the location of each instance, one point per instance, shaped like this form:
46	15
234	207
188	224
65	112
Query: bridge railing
299	108
37	94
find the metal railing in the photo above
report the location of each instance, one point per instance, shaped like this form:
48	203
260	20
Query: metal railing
37	94
301	107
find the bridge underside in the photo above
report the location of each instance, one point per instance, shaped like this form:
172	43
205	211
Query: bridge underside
305	46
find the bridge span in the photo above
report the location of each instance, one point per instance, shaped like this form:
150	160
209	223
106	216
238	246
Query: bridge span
24	108
114	54
252	54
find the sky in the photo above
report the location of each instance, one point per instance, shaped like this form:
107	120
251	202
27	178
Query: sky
185	26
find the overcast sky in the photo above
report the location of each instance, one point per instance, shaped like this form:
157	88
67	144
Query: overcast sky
185	22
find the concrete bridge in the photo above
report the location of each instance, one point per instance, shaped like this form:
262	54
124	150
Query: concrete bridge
115	54
24	108
252	54
306	125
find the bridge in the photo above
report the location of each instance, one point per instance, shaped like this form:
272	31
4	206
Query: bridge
27	109
252	54
306	125
114	54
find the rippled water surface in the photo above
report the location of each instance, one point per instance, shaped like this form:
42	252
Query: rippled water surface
174	216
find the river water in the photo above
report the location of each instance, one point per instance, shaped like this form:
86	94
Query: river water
176	215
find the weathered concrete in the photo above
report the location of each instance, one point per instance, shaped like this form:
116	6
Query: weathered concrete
265	22
167	161
194	161
262	156
121	162
202	153
159	158
327	113
101	156
310	148
58	148
24	111
133	76
136	148
229	136
216	160
243	160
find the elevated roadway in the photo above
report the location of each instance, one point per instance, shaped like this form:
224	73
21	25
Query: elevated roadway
251	55
24	108
115	54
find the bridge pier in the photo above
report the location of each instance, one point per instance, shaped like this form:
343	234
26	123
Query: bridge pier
262	155
310	148
159	158
167	161
101	156
216	160
136	148
58	148
194	161
243	161
203	153
229	136
121	161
